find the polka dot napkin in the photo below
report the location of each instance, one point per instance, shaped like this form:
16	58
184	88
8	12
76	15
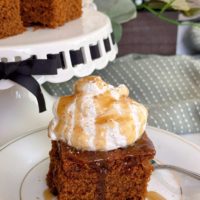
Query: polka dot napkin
168	86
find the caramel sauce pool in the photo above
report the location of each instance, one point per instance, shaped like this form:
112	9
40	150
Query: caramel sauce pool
154	196
150	195
47	195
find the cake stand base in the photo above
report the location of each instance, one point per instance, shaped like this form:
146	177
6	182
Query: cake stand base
19	113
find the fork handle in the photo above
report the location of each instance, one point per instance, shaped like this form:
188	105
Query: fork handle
178	169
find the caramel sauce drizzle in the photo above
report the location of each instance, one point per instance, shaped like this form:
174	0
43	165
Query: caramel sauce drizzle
106	115
79	138
62	117
101	190
48	195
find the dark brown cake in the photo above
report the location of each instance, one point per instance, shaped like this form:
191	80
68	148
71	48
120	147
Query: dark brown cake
16	14
10	20
120	174
50	13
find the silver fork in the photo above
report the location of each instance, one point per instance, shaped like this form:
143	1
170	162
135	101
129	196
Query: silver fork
175	168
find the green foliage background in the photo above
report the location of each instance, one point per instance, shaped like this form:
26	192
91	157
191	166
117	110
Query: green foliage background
119	11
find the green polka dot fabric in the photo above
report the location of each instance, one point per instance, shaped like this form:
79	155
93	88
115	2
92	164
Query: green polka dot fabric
168	86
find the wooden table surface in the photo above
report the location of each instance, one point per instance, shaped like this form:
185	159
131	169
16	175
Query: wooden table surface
147	34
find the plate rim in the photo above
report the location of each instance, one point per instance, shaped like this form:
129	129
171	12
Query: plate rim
179	137
26	134
197	147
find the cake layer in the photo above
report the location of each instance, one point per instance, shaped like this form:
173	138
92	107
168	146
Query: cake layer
120	174
10	20
50	13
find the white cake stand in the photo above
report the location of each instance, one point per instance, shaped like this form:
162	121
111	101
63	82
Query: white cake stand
92	32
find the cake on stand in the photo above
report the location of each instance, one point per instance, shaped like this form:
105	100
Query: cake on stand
85	45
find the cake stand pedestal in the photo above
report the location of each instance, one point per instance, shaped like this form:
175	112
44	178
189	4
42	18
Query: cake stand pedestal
87	44
19	113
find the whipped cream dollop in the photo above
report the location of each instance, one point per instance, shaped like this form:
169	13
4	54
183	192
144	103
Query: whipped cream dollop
98	117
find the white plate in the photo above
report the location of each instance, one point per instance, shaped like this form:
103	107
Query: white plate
24	164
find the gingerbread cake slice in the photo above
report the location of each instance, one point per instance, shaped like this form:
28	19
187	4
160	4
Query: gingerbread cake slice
50	13
119	174
10	20
100	150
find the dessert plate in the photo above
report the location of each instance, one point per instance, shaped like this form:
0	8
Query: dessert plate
24	164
